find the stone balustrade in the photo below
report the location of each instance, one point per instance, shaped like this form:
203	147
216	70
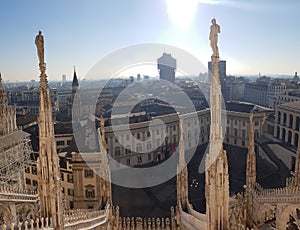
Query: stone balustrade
84	219
11	194
290	194
138	223
73	219
37	224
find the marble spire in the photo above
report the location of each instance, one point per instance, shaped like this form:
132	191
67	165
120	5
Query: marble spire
49	187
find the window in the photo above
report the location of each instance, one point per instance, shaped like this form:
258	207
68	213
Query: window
117	151
235	132
128	161
34	170
71	204
90	207
138	136
243	143
196	132
148	134
202	130
63	190
228	121
88	173
34	183
59	143
174	128
149	156
139	148
157	143
244	123
70	178
62	177
227	130
70	192
235	122
149	145
174	139
27	169
202	139
243	133
68	142
235	141
127	149
140	159
256	123
28	181
90	193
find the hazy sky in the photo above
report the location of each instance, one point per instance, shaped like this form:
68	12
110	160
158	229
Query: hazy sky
256	35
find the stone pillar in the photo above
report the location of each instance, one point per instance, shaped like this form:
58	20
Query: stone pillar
13	212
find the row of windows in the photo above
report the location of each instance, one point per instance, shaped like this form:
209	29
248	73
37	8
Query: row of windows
139	159
89	193
28	182
138	135
33	170
62	143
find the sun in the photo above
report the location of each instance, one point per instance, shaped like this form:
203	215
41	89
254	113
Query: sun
182	12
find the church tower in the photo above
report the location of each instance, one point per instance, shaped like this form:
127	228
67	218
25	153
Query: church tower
75	84
182	172
49	188
216	176
74	106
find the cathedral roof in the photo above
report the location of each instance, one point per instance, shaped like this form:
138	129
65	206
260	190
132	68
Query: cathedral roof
11	139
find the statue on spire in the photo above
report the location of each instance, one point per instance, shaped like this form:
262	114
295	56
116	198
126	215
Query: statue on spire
213	37
39	42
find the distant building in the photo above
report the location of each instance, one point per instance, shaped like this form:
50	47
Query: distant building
64	78
166	65
261	91
222	69
233	88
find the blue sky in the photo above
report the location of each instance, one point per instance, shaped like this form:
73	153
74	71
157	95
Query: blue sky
256	35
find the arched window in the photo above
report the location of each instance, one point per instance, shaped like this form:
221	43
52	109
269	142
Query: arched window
117	151
296	139
283	134
284	118
291	121
290	137
278	117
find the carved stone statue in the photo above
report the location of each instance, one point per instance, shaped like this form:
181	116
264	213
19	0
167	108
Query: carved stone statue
213	37
39	42
291	224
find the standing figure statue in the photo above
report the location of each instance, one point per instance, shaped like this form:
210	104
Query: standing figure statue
39	42
213	37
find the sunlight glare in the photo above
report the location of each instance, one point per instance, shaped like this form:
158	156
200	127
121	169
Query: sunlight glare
182	12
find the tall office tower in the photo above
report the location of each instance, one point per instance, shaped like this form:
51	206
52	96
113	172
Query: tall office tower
166	65
64	78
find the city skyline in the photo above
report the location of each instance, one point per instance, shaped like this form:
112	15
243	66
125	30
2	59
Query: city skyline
260	36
